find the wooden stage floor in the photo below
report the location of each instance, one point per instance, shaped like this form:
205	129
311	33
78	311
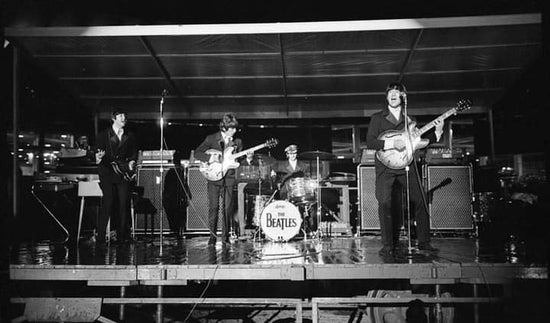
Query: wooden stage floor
303	274
458	259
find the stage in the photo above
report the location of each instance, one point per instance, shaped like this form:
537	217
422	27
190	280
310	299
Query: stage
338	278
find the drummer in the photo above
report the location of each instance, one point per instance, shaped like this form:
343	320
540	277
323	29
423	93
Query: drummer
292	167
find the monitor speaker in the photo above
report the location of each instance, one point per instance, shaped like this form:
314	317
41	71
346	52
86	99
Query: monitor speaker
450	197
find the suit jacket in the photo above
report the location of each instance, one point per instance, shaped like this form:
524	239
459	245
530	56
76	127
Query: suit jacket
215	141
123	150
284	166
383	121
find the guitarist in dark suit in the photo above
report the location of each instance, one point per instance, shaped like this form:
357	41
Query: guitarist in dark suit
393	118
220	141
116	157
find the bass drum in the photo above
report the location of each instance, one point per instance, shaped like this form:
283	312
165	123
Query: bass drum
281	221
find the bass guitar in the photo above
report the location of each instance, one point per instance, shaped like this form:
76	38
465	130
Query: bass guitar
399	159
219	163
125	169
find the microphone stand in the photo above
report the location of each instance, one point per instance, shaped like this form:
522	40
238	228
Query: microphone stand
410	250
161	117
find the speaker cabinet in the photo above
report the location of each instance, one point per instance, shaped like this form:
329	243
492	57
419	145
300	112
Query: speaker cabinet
148	177
197	211
450	197
367	199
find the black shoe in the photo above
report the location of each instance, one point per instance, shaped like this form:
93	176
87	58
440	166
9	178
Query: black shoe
386	251
427	247
398	245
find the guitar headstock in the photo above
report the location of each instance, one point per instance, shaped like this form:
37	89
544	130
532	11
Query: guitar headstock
463	104
271	143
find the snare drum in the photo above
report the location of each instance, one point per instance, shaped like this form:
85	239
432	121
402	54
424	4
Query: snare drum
280	220
301	190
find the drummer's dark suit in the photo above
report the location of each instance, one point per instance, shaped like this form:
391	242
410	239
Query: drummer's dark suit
225	185
285	167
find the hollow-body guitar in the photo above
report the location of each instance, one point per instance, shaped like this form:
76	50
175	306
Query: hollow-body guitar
219	163
399	159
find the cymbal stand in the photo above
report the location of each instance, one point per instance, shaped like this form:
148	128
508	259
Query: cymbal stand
319	206
258	231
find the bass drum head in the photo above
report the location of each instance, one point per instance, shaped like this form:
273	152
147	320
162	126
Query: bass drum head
281	220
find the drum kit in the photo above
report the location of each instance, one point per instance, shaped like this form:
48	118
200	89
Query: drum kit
282	220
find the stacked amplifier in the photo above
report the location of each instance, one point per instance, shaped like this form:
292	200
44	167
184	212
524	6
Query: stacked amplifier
448	189
149	177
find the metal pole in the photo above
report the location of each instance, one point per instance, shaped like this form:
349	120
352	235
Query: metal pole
161	168
15	106
438	309
160	315
121	307
491	133
96	123
476	305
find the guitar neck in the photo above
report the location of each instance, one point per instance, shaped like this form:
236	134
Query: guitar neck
431	124
244	152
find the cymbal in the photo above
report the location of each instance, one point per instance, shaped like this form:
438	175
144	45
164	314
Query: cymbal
314	154
342	177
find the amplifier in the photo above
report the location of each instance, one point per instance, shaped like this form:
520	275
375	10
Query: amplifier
368	205
197	211
149	179
444	156
450	197
153	157
367	157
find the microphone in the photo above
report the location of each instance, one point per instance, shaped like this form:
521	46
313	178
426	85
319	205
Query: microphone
164	92
445	182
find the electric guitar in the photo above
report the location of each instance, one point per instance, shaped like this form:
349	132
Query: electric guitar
220	163
399	159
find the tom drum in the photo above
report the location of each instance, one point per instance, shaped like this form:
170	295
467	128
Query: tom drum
301	190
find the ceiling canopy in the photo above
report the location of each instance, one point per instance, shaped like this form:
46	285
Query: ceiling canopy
330	69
